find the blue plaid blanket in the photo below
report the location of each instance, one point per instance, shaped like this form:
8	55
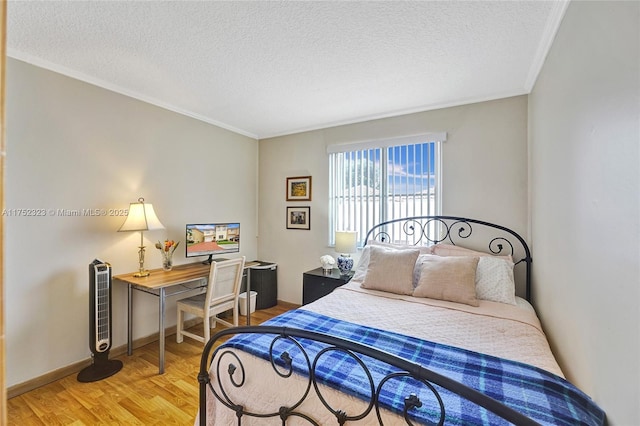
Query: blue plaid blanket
540	395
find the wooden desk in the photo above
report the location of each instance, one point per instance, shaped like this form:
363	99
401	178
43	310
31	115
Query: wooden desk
160	283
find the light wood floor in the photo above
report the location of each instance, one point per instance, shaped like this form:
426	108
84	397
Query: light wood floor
136	395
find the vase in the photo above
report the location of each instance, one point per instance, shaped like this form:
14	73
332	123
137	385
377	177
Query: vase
345	263
167	260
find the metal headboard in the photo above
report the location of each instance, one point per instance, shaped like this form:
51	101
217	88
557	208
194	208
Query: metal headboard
429	230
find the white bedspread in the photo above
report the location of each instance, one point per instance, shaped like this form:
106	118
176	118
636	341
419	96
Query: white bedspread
507	331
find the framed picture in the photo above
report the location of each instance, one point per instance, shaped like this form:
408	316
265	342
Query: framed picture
299	188
299	217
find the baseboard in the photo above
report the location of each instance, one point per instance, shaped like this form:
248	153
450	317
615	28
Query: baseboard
288	305
75	368
47	378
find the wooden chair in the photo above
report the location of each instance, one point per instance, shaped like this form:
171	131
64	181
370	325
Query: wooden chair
223	288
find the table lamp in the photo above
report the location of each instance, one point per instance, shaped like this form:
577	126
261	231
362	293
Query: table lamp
345	244
141	218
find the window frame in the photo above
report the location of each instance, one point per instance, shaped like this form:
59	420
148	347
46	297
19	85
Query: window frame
385	146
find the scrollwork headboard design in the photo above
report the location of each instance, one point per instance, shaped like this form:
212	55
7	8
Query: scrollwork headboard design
470	233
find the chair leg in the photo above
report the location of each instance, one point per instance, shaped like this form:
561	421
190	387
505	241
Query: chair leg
207	330
179	336
235	315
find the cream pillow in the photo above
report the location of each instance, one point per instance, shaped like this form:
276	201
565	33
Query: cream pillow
423	249
449	278
494	280
390	270
451	250
363	263
417	269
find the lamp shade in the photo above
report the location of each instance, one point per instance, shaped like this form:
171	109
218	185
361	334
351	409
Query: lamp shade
141	217
346	241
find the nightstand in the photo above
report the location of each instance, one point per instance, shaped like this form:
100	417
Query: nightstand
316	283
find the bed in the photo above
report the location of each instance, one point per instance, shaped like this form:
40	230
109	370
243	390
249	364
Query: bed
435	327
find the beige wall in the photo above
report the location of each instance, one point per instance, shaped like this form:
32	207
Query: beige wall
585	192
72	145
484	177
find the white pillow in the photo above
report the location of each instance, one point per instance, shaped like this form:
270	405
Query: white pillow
494	280
363	263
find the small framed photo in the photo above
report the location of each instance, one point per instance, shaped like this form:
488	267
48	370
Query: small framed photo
299	217
299	188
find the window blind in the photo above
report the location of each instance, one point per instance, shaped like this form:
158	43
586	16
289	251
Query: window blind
371	184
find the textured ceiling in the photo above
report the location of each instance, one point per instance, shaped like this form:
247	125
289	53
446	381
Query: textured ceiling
270	68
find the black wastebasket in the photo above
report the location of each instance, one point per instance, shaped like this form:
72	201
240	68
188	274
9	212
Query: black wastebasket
264	281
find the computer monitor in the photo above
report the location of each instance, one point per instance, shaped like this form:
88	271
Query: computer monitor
212	239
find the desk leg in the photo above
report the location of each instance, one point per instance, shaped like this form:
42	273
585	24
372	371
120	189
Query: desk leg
249	296
129	320
161	314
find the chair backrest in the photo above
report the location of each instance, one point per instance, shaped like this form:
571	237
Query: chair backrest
225	278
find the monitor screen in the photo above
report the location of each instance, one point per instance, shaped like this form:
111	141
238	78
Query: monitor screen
212	239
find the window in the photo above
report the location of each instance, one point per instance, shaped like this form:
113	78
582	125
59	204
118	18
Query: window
373	182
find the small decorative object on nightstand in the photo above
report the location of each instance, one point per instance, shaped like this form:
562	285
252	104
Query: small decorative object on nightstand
317	283
327	263
345	244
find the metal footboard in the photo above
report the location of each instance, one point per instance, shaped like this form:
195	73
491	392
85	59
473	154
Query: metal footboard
235	369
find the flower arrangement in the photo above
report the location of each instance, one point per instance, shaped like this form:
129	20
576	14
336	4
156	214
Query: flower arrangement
168	246
166	250
327	262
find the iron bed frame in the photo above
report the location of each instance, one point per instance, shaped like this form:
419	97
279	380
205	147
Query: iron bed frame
419	230
430	230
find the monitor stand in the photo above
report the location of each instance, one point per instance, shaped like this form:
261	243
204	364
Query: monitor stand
211	259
